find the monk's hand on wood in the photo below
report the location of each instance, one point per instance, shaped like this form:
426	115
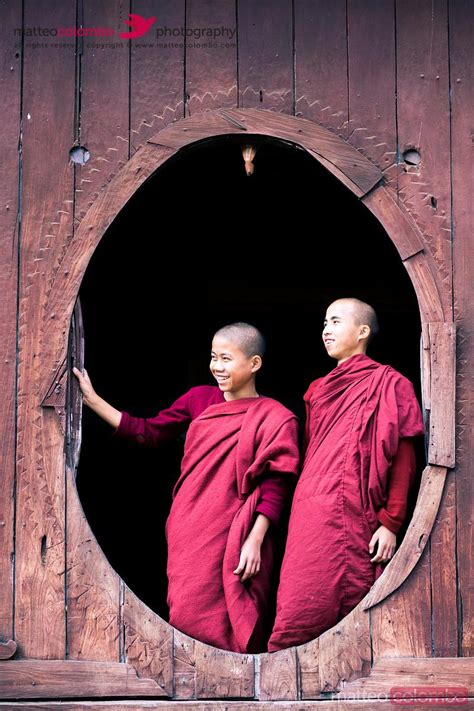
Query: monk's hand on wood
386	542
85	385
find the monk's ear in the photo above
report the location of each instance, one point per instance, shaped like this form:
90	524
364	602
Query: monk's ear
256	363
364	331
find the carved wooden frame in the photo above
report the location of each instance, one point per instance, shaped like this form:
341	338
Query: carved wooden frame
368	183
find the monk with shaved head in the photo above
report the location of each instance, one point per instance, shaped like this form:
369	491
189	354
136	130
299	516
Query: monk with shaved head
350	500
240	459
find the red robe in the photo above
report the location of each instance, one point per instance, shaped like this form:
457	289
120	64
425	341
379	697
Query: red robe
228	449
358	414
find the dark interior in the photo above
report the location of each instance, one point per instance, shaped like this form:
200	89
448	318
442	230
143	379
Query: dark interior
198	246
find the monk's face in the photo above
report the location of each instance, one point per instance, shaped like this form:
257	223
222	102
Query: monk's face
343	335
233	369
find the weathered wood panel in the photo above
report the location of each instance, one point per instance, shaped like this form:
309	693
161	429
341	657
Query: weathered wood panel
423	124
278	675
148	643
10	75
211	72
221	674
389	677
344	651
308	662
156	72
461	32
443	574
443	394
266	55
47	184
103	120
401	625
42	679
321	63
338	705
371	77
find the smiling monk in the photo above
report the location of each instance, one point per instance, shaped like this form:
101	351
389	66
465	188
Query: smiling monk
351	497
240	458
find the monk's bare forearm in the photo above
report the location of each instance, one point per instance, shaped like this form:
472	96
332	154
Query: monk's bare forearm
102	408
260	528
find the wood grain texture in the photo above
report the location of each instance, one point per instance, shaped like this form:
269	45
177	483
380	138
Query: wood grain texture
265	36
321	88
388	676
184	670
39	679
461	32
47	185
371	78
308	663
148	643
443	394
10	88
93	589
279	675
338	705
401	625
443	574
344	651
221	674
156	71
211	71
422	94
104	104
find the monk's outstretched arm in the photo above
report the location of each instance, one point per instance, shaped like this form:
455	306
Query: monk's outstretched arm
249	563
100	406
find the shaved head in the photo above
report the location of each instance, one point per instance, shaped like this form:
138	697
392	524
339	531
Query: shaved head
245	336
364	314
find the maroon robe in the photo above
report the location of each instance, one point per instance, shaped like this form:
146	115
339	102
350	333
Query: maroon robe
229	448
358	414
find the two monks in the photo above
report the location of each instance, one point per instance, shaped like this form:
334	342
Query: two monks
350	499
240	461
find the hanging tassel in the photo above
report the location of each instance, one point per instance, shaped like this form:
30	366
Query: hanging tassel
248	154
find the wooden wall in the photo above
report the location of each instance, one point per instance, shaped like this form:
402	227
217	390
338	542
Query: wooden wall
386	75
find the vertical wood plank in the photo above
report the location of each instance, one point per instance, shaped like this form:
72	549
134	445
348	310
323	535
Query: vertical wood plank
265	37
184	661
344	651
10	77
308	662
422	94
211	72
148	642
371	72
321	87
279	676
461	34
93	587
443	394
103	121
93	590
48	91
443	574
157	71
223	675
401	625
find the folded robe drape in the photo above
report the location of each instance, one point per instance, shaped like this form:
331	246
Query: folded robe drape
358	414
229	447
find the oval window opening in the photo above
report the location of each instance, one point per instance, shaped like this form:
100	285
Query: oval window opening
202	244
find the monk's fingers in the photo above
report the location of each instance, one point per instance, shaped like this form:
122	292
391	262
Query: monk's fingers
241	566
372	543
